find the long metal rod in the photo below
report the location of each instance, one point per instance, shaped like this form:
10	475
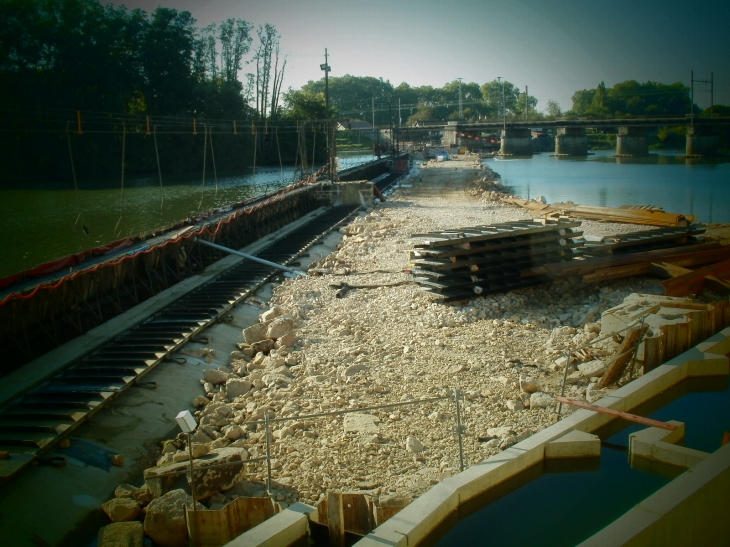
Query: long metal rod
250	257
195	534
349	411
268	453
458	430
617	413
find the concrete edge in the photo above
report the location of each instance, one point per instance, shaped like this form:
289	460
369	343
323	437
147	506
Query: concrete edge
281	530
690	510
498	468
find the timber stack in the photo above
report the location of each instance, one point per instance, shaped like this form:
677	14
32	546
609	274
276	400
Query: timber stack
479	260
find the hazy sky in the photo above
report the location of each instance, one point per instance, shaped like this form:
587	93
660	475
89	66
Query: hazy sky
553	46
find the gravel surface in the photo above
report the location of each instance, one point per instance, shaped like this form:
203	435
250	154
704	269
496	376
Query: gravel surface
390	343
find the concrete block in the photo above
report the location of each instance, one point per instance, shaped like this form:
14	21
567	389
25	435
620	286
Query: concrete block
419	519
718	343
645	387
640	443
678	456
574	444
285	528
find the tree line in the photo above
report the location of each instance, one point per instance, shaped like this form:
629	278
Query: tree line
85	83
87	87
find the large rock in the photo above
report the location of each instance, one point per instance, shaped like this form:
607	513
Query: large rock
235	387
592	368
121	509
360	423
165	519
255	333
279	327
271	314
414	445
121	534
529	384
500	432
219	470
540	400
215	376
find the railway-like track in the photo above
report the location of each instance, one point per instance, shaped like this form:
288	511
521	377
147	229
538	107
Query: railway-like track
33	423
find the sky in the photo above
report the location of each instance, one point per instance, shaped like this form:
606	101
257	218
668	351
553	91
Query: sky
554	47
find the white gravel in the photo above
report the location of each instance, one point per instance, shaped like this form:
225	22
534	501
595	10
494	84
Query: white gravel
392	343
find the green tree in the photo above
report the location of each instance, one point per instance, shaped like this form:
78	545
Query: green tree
553	109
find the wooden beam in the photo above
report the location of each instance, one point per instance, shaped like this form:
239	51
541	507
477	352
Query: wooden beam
335	519
706	253
720	286
694	281
667	271
617	413
625	352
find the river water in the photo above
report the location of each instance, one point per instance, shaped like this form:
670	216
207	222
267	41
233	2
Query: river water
698	187
40	224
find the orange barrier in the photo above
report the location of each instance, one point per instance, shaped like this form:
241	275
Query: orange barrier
72	260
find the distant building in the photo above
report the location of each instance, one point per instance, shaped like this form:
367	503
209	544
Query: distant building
347	125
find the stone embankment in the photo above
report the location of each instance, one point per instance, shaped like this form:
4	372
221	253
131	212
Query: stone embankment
357	333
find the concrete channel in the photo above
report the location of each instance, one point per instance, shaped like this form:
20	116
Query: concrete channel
690	508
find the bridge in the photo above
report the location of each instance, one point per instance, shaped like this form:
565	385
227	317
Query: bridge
571	139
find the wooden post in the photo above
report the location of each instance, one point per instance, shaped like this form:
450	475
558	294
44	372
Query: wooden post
336	519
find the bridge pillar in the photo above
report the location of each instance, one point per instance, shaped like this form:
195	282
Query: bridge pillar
631	141
516	141
571	141
701	141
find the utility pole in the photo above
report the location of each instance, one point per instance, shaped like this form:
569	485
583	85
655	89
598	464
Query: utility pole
527	104
326	67
692	98
332	148
504	106
499	102
461	111
400	119
711	81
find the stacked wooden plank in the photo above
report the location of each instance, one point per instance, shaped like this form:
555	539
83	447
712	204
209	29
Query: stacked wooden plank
645	240
603	268
632	214
465	262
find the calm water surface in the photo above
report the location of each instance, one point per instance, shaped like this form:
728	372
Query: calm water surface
42	223
698	187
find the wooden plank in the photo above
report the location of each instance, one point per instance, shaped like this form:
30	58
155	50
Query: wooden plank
667	271
719	286
618	272
611	412
218	527
694	281
625	352
335	519
705	253
357	517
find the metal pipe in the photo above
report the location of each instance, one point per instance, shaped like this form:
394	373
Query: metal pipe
251	257
196	536
458	430
268	453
